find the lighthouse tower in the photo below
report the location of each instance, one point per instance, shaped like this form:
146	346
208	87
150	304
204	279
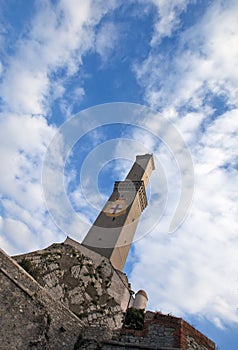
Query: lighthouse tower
112	232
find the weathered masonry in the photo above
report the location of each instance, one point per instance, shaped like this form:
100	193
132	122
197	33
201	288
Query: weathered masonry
112	233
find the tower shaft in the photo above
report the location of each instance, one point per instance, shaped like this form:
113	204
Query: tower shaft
112	233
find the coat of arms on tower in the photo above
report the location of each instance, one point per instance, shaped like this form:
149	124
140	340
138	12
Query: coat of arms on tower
116	208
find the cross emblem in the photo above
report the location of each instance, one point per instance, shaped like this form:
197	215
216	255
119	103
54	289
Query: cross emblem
116	208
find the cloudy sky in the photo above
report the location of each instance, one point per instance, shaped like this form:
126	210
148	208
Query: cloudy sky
178	59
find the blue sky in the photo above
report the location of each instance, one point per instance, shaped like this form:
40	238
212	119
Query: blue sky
178	58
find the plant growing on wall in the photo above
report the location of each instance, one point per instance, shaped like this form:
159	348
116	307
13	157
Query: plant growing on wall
31	268
134	318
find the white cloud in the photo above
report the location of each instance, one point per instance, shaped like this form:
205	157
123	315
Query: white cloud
24	140
57	37
204	62
168	17
106	40
194	270
25	90
23	143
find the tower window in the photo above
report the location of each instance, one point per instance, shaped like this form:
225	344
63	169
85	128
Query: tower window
113	218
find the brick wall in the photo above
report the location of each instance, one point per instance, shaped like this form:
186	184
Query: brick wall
161	330
192	339
166	332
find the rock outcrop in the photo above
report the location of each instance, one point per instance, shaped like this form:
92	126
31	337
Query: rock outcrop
84	281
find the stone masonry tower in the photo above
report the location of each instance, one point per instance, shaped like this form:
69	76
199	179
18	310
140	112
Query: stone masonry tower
112	233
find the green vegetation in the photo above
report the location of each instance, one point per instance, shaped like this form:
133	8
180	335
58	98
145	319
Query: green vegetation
134	319
82	315
31	268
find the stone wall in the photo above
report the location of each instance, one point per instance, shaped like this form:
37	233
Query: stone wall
82	280
115	345
119	287
192	339
29	317
159	330
167	332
